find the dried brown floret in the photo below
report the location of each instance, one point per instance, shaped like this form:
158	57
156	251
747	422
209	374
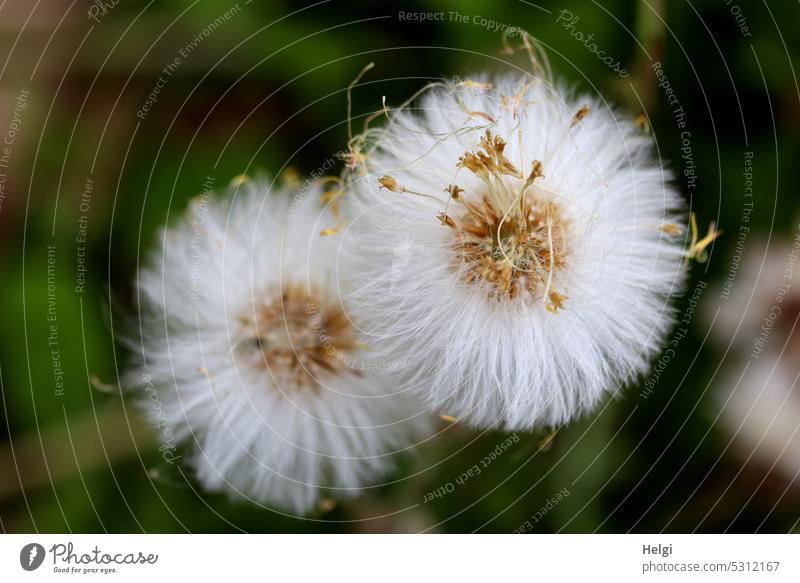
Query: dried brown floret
579	115
455	191
390	183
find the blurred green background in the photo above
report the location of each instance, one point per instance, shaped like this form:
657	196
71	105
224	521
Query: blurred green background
265	91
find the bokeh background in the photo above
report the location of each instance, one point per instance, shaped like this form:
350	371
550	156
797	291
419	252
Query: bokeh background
708	443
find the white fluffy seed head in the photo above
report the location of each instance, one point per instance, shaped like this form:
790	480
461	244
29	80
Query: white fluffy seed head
250	359
518	245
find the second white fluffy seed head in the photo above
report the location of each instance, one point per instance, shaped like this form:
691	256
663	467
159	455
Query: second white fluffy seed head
250	360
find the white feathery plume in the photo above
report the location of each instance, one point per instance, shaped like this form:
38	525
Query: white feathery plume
249	357
518	245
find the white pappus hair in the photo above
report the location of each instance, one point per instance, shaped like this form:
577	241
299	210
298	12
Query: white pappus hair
517	244
254	362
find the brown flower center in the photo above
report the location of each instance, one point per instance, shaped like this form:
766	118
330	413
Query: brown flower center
513	252
300	337
512	235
